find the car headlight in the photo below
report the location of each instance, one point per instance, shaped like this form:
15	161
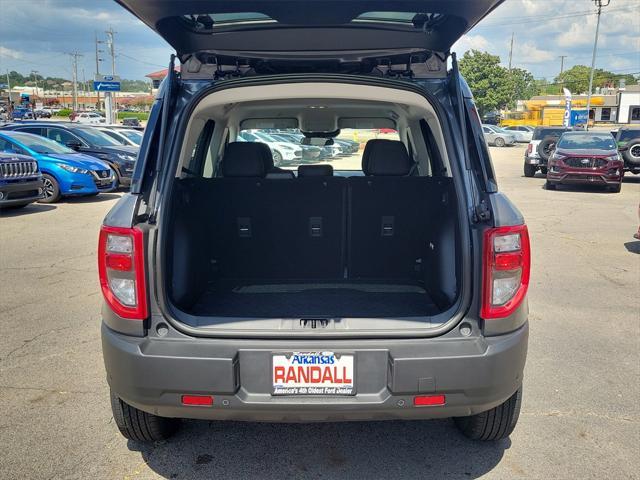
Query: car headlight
614	158
72	169
126	157
284	146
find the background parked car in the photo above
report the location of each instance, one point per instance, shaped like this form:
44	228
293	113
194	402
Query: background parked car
22	114
119	136
309	152
42	113
20	180
586	158
131	122
522	133
283	152
90	118
497	136
89	140
65	172
540	149
628	141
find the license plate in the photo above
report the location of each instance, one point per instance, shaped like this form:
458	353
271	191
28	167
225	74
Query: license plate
534	161
312	373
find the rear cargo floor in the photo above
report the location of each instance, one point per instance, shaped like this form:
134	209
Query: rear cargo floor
329	299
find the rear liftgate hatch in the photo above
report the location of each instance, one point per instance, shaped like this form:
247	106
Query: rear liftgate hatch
340	35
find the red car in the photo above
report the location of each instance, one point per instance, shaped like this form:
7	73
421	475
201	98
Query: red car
586	158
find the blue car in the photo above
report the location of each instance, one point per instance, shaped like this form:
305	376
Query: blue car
65	172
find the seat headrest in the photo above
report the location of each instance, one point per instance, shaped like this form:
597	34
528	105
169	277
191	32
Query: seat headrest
386	157
315	171
246	159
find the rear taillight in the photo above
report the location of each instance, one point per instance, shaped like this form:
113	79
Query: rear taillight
529	149
121	271
505	276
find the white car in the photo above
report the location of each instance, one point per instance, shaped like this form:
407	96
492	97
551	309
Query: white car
283	152
497	136
90	118
523	133
123	136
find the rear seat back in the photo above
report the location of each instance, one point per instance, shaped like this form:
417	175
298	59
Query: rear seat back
309	227
391	214
264	226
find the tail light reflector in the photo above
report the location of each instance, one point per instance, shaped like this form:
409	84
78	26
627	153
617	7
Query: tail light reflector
505	276
121	271
428	400
197	400
529	149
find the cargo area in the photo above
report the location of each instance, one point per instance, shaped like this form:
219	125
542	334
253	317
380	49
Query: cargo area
249	238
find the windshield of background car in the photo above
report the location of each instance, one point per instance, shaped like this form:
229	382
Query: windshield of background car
586	141
40	144
289	152
93	136
541	133
626	134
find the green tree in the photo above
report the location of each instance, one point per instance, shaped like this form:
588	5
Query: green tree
523	85
576	79
488	81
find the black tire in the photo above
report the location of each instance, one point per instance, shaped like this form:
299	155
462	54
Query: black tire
631	154
529	170
50	188
616	188
141	426
547	146
550	186
499	142
494	424
543	170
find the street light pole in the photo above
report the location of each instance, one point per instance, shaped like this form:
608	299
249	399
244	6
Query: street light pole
599	4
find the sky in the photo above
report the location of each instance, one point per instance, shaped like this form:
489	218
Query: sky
40	34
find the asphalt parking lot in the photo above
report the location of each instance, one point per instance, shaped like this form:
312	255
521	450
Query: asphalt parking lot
581	412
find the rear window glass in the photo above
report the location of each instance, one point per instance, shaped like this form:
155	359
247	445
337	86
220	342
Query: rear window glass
626	134
589	141
289	151
540	133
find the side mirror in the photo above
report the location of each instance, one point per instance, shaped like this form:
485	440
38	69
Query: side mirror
74	145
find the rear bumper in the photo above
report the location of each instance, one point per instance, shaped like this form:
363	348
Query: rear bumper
20	193
534	160
475	374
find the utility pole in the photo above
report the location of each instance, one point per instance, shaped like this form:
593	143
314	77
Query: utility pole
35	77
599	4
562	57
511	51
98	60
109	96
10	104
74	60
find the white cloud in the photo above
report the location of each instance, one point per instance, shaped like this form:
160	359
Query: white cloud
7	52
532	53
471	42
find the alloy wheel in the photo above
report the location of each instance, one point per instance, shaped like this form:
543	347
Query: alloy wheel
48	188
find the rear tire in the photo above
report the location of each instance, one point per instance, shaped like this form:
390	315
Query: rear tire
529	170
550	186
499	142
494	424
141	426
543	170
